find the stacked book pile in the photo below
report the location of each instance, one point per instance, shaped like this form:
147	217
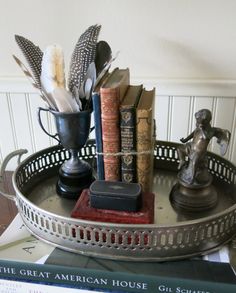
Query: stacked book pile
124	126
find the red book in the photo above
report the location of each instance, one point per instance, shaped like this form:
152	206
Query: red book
112	93
82	210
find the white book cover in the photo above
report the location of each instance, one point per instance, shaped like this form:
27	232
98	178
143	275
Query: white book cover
7	286
16	243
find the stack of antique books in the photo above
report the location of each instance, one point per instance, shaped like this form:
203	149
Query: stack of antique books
124	125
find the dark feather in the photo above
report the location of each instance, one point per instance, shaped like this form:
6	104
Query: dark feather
103	55
83	54
33	55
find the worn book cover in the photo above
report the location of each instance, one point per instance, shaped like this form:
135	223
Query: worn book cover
145	215
112	93
128	132
145	138
96	100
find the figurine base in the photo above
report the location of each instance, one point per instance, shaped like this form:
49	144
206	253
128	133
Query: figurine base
193	200
145	215
202	179
71	185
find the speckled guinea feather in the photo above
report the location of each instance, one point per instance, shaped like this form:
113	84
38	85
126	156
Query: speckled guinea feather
83	54
33	55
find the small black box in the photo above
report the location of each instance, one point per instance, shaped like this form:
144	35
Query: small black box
115	195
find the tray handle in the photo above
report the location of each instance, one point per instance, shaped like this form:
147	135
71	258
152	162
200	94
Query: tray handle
18	153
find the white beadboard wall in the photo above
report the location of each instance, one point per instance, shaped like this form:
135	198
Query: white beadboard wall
176	103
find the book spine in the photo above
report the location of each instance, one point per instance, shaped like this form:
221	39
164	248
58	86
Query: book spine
128	144
98	134
144	143
110	104
75	277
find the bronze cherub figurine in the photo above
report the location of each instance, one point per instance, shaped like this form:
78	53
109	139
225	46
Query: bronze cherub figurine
194	190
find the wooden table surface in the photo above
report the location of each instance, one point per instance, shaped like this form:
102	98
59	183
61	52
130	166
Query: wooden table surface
8	208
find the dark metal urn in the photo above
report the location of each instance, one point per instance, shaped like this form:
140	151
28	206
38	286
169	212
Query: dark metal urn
72	132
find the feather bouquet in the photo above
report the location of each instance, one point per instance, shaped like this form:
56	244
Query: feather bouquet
89	62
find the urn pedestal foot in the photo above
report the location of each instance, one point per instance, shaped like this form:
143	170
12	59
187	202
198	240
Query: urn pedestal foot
71	185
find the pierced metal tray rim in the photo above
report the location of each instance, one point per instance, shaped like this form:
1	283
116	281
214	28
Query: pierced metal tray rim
138	242
119	225
134	258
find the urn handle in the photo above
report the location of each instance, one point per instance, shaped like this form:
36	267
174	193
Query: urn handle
18	153
55	136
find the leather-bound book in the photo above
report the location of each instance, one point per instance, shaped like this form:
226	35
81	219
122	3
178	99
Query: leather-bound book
127	132
112	93
145	138
96	100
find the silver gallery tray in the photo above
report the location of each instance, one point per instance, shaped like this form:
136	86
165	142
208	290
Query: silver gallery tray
174	235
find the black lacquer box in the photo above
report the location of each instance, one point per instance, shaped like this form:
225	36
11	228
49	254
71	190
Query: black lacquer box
115	195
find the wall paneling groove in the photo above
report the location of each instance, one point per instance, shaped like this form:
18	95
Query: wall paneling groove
176	103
